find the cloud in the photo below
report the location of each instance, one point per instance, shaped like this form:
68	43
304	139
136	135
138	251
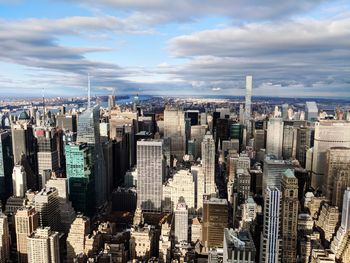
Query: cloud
305	53
187	10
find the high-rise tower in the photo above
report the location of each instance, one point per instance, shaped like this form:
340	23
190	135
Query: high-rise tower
248	97
150	172
208	163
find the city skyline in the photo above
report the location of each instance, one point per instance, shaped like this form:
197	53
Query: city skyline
156	47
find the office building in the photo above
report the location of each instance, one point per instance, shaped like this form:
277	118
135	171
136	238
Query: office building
19	180
47	153
181	186
150	174
215	220
198	177
328	134
197	135
288	140
6	165
208	163
26	222
111	102
181	222
259	139
337	245
304	141
47	206
66	210
289	190
80	174
274	137
238	246
270	244
327	221
337	174
141	243
196	230
248	101
88	131
43	246
174	128
311	111
78	233
24	148
273	170
5	238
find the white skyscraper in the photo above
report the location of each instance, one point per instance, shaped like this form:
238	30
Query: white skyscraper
19	180
181	222
270	244
150	170
248	96
345	223
311	111
208	163
274	140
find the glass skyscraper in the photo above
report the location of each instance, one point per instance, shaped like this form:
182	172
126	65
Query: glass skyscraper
80	174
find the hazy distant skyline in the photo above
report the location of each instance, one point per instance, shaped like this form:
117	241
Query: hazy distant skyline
292	48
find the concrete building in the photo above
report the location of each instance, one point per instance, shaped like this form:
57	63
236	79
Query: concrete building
43	246
208	163
198	177
19	180
150	174
274	137
181	186
238	246
67	213
328	221
215	220
47	205
141	243
6	165
289	216
5	238
270	244
337	174
328	134
249	212
181	222
26	222
196	230
78	232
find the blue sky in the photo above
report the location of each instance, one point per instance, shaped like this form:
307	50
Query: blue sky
292	48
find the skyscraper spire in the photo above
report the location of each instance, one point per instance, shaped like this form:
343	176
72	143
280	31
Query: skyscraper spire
89	102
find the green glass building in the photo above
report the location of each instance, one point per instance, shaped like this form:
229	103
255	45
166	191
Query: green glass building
80	175
236	132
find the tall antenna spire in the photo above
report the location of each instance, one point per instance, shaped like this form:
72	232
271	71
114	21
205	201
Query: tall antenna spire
89	102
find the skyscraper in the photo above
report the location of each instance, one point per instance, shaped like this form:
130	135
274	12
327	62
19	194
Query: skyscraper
215	220
79	229
111	101
344	224
311	111
208	163
274	137
175	129
27	221
337	174
81	180
181	222
6	165
248	98
289	220
89	132
4	238
328	133
19	181
47	205
47	153
150	173
270	245
43	246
